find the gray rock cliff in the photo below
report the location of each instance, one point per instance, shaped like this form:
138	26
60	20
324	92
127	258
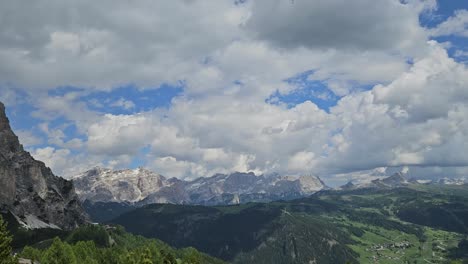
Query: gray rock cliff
29	189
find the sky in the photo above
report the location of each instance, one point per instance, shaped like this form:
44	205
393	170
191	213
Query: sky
189	88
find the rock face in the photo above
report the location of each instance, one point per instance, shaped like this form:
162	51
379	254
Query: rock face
29	189
140	187
105	185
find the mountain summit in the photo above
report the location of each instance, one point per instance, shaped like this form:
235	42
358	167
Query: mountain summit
30	191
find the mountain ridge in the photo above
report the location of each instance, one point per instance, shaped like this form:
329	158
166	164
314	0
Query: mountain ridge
399	179
106	185
141	186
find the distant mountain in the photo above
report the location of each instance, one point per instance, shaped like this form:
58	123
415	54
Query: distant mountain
396	180
30	191
141	186
456	181
399	180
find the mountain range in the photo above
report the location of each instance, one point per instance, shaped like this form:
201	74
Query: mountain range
399	179
106	194
141	187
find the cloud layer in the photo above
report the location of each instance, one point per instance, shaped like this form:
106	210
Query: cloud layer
398	98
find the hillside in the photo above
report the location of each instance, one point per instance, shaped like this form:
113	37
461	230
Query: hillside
357	226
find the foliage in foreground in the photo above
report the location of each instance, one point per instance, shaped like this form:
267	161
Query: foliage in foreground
5	245
112	245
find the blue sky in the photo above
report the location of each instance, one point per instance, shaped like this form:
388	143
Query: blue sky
314	90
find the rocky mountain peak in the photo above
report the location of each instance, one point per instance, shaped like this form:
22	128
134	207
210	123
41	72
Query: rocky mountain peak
29	189
395	180
9	142
348	186
3	117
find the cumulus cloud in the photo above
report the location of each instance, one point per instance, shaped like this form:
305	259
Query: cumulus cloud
415	120
301	161
62	161
206	44
180	169
119	135
110	43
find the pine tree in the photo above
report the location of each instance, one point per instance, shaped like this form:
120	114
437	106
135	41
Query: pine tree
167	257
128	258
5	245
59	253
146	257
31	253
86	252
192	256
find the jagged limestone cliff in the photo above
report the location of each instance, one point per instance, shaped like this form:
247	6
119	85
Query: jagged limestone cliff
29	189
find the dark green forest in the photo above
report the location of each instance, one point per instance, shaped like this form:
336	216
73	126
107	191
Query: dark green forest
96	244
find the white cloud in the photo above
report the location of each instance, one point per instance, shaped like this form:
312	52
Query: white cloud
301	161
118	135
415	120
456	25
109	43
59	160
153	42
125	104
180	169
28	139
